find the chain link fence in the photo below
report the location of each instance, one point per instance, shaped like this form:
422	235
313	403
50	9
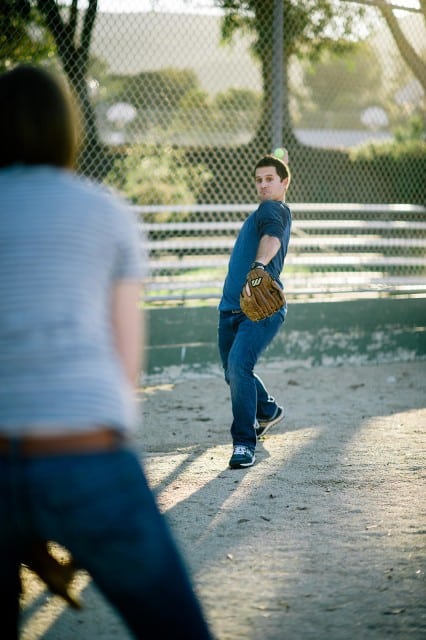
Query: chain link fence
180	99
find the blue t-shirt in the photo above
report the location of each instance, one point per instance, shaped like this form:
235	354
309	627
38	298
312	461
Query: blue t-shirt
272	218
64	242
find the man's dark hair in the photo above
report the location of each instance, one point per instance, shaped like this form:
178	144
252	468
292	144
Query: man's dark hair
271	161
38	123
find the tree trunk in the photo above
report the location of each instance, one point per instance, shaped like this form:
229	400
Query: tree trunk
263	137
408	53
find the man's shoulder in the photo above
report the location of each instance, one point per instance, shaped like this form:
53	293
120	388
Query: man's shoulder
273	208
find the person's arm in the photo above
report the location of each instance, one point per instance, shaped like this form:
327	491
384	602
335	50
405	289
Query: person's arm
267	249
128	327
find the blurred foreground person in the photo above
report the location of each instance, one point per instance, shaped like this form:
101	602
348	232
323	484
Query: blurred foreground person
71	340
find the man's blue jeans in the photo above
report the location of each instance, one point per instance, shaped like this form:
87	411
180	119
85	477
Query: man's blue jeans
100	507
241	342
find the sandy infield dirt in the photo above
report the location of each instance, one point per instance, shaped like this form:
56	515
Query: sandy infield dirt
323	539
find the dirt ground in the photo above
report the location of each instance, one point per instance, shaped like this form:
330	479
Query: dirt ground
323	539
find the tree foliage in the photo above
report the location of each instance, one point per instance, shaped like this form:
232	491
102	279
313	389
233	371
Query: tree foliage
70	29
408	53
357	75
310	27
162	89
31	42
147	177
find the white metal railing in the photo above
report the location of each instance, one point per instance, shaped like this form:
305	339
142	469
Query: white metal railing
335	249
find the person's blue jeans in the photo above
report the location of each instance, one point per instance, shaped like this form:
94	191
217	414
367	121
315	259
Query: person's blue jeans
240	343
100	507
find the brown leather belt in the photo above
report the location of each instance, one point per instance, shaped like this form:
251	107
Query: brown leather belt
104	439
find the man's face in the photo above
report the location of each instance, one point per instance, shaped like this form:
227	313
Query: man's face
269	185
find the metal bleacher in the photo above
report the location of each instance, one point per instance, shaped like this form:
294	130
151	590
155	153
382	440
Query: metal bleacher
335	250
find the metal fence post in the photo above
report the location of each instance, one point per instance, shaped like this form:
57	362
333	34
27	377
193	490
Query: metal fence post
277	74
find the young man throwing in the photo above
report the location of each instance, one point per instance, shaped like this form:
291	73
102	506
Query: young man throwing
261	245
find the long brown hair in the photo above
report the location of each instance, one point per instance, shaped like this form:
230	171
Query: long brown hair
38	119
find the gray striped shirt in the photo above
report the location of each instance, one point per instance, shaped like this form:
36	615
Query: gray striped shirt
63	243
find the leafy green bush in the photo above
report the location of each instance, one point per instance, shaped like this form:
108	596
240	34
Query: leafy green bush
412	131
153	176
397	168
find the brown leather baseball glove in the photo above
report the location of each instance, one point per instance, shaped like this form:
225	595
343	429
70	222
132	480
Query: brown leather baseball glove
266	295
56	575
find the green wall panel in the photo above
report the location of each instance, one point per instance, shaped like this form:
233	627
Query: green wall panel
366	330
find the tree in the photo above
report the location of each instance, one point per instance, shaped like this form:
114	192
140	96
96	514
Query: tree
70	28
156	94
310	26
166	87
237	99
357	75
238	110
15	17
408	53
147	177
73	47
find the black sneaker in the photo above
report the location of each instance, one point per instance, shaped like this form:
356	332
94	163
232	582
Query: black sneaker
265	425
242	456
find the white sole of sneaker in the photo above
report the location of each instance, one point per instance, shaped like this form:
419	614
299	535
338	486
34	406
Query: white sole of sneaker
242	465
265	426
